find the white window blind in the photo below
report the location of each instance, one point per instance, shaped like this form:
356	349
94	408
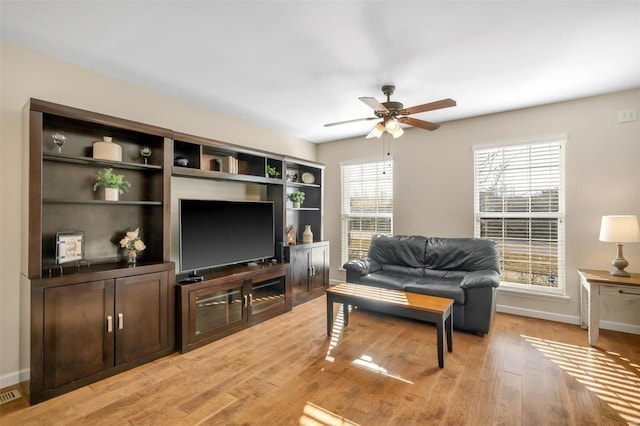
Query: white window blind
367	205
519	203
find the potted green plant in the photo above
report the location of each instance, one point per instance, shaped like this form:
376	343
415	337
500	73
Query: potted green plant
296	198
113	184
272	172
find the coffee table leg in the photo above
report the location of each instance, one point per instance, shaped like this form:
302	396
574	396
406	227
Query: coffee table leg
329	314
440	329
449	327
345	314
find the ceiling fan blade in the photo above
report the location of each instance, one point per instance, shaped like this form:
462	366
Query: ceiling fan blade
350	121
374	103
443	103
427	125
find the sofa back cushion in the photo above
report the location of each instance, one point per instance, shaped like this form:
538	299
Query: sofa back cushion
401	250
461	254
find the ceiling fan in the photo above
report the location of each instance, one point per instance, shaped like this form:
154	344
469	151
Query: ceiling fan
393	113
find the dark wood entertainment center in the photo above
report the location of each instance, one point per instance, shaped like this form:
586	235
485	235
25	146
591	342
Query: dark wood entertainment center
104	316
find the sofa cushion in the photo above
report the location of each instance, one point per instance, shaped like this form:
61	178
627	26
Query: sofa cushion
438	287
399	250
387	279
461	254
408	270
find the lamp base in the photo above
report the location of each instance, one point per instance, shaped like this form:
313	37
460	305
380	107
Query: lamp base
620	273
620	263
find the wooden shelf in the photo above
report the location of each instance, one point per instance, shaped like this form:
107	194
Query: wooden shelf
208	174
302	184
114	203
99	162
309	209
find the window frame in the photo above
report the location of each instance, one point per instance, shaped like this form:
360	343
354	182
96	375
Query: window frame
560	215
386	163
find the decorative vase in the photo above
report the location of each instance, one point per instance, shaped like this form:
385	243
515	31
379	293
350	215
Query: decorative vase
296	204
107	150
307	235
111	194
133	257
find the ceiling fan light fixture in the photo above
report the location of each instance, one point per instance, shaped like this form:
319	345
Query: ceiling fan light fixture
397	132
391	124
376	132
393	127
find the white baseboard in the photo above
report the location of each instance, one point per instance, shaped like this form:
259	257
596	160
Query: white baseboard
619	326
532	313
569	319
13	378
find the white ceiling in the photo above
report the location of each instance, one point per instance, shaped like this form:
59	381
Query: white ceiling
296	65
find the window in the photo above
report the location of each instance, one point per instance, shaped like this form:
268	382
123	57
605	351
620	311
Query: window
519	203
367	205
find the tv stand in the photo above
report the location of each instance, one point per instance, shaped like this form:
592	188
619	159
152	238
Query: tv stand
229	300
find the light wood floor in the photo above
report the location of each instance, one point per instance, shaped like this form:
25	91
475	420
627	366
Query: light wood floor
379	371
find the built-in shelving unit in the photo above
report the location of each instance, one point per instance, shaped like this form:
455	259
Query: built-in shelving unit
101	316
93	319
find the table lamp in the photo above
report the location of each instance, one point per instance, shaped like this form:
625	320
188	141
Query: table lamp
620	229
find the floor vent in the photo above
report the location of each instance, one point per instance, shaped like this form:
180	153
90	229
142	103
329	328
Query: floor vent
8	396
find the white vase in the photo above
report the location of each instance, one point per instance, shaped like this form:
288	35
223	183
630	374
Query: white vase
296	204
107	150
111	194
307	235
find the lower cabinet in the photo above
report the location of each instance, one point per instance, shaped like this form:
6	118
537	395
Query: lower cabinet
86	331
230	300
309	270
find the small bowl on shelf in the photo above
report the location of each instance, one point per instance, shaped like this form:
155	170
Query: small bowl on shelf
181	161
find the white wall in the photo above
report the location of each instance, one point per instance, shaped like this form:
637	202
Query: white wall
433	188
25	74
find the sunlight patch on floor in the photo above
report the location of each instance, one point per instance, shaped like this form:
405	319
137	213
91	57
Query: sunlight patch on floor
367	362
313	415
601	372
336	333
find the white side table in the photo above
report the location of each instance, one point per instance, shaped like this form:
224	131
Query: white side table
591	281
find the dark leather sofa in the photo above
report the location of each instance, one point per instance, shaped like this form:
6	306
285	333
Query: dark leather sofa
463	269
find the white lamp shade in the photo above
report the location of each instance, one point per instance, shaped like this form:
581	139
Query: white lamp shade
620	229
376	132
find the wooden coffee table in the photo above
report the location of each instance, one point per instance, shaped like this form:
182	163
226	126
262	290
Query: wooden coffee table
438	310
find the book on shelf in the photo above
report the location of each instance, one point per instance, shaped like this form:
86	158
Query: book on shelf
228	164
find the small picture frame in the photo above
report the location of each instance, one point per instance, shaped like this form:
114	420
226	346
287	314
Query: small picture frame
69	247
292	236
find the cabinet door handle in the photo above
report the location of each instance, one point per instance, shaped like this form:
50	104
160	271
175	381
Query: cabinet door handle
120	321
313	271
250	299
109	323
245	301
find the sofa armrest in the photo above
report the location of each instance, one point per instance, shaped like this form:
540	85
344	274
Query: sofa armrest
362	266
483	278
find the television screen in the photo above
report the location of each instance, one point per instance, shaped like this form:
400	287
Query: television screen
217	233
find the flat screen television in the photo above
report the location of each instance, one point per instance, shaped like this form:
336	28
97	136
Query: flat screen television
216	233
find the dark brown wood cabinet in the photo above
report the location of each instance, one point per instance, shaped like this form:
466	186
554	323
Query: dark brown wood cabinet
141	312
90	325
76	343
101	316
230	300
310	270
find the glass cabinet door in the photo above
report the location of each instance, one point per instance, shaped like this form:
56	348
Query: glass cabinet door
267	295
212	309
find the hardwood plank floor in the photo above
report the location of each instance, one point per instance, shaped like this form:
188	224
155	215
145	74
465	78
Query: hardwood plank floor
380	370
